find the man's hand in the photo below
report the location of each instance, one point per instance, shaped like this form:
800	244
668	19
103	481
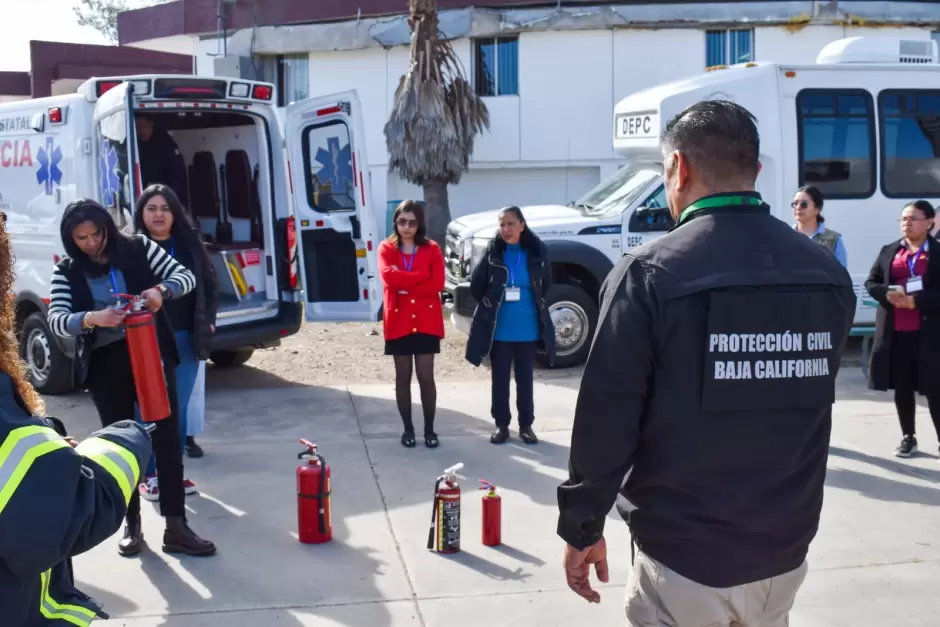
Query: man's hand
108	318
908	303
578	569
152	298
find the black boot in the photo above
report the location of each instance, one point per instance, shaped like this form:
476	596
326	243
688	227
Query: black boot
500	435
193	449
179	538
528	435
133	540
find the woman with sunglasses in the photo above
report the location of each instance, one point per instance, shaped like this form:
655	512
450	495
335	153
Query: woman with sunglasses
905	355
412	270
807	209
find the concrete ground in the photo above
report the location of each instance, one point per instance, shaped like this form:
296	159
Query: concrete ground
875	553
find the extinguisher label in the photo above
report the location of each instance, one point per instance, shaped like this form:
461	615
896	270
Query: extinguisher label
449	525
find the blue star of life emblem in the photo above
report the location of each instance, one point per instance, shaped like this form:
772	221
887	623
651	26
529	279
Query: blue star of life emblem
107	165
337	166
49	158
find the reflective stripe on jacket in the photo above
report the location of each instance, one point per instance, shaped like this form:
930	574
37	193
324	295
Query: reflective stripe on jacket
57	502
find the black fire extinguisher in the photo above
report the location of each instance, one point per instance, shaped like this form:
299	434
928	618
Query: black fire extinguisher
444	534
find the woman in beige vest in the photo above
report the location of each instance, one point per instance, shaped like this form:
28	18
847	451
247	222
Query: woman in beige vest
807	209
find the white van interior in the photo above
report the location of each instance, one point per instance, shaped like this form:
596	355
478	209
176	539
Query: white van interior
229	190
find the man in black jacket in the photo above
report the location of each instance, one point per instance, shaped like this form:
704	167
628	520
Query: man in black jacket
709	387
160	159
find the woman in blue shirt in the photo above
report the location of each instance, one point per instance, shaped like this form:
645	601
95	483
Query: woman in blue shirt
807	210
511	321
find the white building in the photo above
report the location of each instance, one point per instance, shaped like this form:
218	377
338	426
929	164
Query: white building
550	76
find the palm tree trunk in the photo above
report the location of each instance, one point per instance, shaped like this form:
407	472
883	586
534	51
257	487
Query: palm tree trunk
437	210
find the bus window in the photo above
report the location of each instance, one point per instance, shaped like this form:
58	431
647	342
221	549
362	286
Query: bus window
836	135
910	142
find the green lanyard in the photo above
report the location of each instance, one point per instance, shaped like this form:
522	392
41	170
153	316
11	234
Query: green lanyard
722	200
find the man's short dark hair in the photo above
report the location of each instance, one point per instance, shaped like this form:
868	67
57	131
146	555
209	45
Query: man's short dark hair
719	138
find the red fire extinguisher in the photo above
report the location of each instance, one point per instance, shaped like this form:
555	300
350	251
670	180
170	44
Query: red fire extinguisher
140	329
314	513
492	515
444	534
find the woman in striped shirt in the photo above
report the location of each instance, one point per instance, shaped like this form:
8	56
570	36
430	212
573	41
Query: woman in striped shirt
101	264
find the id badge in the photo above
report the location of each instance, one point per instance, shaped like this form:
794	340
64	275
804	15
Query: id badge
512	294
915	284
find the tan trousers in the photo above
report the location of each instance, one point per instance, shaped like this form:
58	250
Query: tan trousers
657	596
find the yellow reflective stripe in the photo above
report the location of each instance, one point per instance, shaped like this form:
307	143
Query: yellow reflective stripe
118	461
75	614
19	450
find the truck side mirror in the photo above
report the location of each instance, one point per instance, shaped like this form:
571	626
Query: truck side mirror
650	220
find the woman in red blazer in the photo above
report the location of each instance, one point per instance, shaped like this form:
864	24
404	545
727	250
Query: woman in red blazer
412	269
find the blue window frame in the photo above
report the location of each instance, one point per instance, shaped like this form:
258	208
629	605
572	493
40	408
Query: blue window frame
836	139
909	122
728	47
496	66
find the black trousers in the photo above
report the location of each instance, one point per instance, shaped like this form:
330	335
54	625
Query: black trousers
111	384
904	374
507	358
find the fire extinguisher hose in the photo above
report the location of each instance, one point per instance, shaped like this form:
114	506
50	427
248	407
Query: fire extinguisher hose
436	500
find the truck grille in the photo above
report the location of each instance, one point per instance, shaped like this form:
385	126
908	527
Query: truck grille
452	265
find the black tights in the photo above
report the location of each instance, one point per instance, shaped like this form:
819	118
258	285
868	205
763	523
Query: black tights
906	404
424	364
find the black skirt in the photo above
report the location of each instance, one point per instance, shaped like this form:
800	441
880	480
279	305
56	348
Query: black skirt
414	344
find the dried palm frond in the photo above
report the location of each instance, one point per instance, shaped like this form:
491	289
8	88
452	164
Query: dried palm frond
436	114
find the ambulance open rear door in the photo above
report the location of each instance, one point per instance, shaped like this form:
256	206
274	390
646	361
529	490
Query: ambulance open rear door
332	202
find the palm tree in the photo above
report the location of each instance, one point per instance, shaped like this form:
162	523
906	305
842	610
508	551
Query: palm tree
434	119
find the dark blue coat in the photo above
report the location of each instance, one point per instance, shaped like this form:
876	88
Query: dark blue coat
57	502
488	288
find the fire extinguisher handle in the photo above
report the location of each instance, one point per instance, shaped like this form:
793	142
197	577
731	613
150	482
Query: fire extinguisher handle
309	451
487	486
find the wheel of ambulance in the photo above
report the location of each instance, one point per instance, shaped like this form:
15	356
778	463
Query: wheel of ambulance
50	370
231	359
574	314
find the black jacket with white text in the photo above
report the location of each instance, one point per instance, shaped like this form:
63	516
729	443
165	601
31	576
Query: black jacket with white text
712	378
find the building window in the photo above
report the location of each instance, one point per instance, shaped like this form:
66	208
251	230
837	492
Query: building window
836	135
496	66
727	47
290	74
910	142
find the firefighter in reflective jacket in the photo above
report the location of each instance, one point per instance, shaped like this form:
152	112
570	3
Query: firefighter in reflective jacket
56	502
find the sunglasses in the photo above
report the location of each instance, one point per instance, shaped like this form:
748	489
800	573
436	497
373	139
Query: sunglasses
802	204
408	224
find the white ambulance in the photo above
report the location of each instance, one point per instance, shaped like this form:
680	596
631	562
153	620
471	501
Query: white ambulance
862	125
287	216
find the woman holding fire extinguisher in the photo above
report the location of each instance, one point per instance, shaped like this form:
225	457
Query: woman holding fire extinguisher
102	264
160	216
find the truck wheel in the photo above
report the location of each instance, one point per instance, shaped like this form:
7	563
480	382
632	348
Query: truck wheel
231	359
575	316
50	370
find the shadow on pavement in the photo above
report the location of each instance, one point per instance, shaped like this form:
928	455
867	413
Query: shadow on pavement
888	464
881	488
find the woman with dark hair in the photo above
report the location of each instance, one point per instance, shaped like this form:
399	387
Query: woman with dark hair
511	321
807	210
101	264
905	356
412	270
161	218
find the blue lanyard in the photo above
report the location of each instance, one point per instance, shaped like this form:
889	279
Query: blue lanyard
912	259
114	285
172	248
517	265
409	260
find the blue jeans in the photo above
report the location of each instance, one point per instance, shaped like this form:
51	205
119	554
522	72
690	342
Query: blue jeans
185	382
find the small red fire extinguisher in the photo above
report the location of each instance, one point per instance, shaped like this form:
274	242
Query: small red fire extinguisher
140	329
492	515
314	514
444	534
